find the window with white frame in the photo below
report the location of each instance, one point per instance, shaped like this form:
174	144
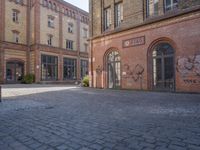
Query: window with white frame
45	2
19	1
70	27
15	16
70	44
49	39
51	21
16	36
107	18
171	4
152	8
118	14
85	32
86	47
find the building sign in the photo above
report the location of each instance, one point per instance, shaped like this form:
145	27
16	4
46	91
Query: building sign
134	42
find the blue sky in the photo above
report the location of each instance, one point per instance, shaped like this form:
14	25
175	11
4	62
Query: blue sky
83	4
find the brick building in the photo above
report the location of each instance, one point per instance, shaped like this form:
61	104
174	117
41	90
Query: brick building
145	44
47	38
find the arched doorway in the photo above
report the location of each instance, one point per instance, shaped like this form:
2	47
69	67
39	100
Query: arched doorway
163	67
14	71
114	70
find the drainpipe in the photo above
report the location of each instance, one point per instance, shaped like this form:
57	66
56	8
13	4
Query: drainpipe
28	36
0	94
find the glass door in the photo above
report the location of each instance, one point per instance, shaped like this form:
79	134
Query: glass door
114	70
14	72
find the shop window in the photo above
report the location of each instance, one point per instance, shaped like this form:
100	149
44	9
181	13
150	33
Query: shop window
69	69
49	69
84	68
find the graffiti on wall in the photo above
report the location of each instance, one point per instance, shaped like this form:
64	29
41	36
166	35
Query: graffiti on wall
189	66
189	69
99	70
134	73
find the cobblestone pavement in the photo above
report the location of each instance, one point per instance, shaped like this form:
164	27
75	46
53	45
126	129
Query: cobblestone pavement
65	117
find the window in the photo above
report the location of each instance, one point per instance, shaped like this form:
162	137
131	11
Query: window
69	44
16	36
15	16
19	1
163	67
69	69
54	7
49	70
49	40
50	5
171	4
70	13
152	8
107	18
51	21
84	68
118	14
45	2
70	27
74	15
66	12
85	32
86	47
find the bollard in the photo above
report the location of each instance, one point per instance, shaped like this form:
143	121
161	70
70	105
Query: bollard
0	94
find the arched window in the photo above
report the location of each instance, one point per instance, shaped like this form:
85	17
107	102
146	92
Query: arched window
163	67
54	7
67	12
70	13
114	69
45	2
50	5
74	15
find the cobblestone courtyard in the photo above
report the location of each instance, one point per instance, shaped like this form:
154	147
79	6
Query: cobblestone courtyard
65	117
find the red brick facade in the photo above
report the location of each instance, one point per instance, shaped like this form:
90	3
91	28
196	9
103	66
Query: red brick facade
33	48
135	46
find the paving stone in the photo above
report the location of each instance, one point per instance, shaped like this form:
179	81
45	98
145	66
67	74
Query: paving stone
66	117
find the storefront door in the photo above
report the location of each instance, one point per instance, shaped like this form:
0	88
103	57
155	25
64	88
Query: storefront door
14	72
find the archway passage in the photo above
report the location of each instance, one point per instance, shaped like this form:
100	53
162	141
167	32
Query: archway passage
14	71
114	70
163	67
